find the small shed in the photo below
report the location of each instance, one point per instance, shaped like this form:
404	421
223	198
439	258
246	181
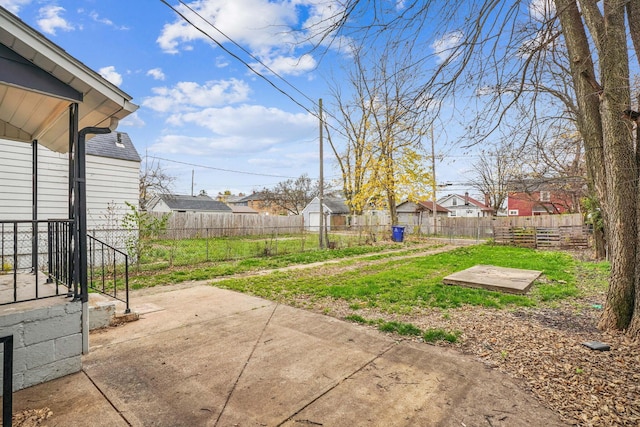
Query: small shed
335	210
416	213
165	203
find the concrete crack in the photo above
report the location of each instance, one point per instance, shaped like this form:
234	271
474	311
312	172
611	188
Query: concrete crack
246	363
370	362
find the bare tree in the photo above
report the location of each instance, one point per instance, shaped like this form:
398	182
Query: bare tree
154	180
493	172
495	47
291	195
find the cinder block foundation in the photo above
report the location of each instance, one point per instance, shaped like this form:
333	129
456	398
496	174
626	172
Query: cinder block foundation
47	339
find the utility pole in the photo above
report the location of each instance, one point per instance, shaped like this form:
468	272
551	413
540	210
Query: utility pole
433	171
192	182
321	192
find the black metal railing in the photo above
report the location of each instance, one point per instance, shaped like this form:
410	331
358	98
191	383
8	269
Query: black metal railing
108	270
30	248
7	380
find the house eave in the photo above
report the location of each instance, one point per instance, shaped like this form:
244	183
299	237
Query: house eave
101	104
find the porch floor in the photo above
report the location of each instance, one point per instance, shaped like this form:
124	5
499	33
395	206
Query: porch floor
26	287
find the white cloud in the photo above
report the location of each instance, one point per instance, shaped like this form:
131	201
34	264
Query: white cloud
267	25
133	120
156	73
190	95
446	47
541	10
221	61
106	21
14	6
111	75
50	19
289	65
272	31
237	131
254	121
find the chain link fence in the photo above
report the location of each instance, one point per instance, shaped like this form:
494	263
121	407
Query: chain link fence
186	246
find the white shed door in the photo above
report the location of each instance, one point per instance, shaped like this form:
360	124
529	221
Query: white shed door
314	221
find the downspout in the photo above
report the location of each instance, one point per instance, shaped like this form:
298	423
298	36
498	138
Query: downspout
72	273
34	210
80	207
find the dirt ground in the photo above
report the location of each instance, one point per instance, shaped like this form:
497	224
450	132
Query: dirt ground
544	348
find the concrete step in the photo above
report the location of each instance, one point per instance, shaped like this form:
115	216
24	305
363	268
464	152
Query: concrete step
105	311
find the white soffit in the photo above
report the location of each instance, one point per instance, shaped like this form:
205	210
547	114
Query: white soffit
37	108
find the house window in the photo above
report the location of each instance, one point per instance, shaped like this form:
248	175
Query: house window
469	211
452	213
513	212
454	202
545	196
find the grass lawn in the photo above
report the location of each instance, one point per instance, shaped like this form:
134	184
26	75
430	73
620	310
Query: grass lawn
400	286
165	253
154	273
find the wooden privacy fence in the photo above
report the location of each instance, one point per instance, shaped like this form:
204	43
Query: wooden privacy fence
562	237
185	225
483	227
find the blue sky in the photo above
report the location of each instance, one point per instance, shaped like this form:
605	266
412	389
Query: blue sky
201	109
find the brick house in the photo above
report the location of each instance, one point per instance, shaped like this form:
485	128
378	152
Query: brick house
258	202
545	197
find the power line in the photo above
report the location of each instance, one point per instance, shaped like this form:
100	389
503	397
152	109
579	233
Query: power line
252	56
253	70
221	46
222	169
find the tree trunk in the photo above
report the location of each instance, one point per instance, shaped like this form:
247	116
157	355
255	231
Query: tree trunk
608	143
620	169
599	243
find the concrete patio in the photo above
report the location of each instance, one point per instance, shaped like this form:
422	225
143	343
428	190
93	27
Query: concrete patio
203	356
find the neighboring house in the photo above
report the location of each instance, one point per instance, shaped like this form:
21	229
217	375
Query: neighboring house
544	197
464	206
258	202
112	169
335	210
166	203
233	200
417	213
246	210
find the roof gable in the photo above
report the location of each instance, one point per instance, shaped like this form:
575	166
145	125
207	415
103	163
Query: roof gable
178	202
335	205
114	145
463	198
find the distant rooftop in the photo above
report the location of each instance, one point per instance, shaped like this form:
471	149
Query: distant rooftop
178	202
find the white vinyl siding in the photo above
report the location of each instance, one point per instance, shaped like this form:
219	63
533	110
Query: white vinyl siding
110	182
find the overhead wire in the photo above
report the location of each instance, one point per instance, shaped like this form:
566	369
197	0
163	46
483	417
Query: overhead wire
251	55
262	76
249	66
221	169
